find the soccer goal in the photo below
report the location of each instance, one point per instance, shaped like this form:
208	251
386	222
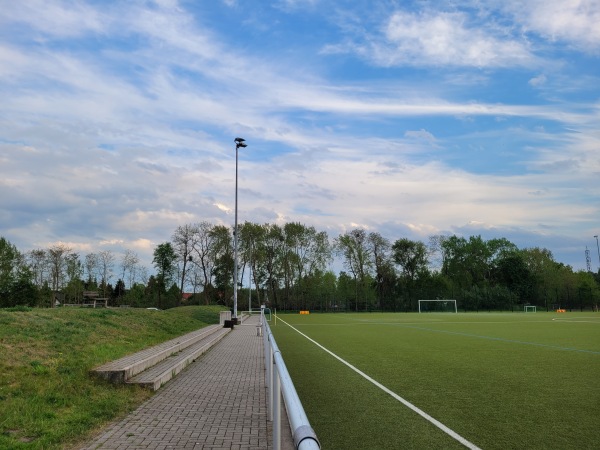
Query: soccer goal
530	308
437	306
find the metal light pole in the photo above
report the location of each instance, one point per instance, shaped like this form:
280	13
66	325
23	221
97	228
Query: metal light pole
239	143
598	247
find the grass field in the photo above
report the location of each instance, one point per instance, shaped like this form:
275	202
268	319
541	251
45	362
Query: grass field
47	398
501	381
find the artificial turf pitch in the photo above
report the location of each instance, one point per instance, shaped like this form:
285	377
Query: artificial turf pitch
499	380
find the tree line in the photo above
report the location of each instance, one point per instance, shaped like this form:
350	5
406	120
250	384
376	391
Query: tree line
288	267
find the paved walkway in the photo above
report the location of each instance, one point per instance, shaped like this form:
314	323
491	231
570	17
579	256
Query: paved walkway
218	402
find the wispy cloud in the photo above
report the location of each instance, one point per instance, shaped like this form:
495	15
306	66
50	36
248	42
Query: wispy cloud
117	119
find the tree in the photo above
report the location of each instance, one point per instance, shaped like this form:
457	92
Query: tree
205	253
306	250
57	256
411	256
38	264
511	271
384	272
16	285
184	241
252	243
129	263
220	257
272	256
91	267
437	252
106	263
356	256
164	262
74	270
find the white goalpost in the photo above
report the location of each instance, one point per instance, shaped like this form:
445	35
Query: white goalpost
444	305
530	308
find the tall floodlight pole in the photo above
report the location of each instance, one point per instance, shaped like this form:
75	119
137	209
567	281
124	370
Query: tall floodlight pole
239	143
598	247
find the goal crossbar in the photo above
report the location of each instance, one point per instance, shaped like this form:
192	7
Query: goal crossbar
445	301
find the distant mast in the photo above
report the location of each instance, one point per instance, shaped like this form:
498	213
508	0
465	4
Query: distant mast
588	260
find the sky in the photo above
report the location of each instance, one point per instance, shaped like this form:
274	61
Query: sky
406	118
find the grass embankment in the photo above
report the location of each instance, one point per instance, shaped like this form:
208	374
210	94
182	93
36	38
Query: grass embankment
499	380
48	399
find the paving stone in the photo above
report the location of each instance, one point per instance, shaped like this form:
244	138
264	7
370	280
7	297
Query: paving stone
217	402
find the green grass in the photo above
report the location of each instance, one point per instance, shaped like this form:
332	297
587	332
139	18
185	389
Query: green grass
48	400
499	380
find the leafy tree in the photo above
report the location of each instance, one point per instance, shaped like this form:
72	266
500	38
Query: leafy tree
164	262
306	249
252	243
221	259
74	271
273	254
411	256
511	271
356	255
345	292
136	296
385	275
16	285
37	262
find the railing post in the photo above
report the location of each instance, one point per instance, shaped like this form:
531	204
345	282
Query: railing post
270	380
276	410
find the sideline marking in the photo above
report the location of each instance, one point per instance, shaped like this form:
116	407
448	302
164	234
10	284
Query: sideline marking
419	411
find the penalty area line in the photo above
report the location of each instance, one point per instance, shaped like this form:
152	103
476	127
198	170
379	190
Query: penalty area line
406	403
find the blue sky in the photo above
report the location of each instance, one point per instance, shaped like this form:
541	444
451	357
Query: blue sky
410	118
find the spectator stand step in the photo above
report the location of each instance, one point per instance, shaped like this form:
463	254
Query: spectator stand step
123	369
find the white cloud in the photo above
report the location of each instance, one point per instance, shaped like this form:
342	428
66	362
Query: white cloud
57	18
576	22
447	39
440	39
129	143
421	135
538	81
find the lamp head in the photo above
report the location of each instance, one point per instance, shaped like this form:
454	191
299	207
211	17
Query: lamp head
239	140
240	145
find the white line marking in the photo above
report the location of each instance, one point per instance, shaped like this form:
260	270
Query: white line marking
420	412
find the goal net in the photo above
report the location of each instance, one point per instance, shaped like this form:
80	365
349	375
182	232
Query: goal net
530	308
437	306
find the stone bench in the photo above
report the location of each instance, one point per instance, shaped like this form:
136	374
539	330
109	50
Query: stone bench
177	353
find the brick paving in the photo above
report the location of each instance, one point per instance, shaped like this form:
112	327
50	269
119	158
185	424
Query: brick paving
218	402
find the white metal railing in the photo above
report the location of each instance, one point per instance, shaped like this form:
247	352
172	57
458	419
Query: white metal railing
279	383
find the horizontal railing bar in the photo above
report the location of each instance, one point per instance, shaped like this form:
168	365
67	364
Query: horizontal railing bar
304	436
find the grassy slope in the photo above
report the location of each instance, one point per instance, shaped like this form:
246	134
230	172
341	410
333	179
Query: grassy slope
496	391
48	400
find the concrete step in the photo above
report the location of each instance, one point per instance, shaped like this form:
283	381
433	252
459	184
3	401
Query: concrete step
154	377
123	369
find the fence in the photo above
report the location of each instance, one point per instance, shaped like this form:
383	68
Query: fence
280	384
